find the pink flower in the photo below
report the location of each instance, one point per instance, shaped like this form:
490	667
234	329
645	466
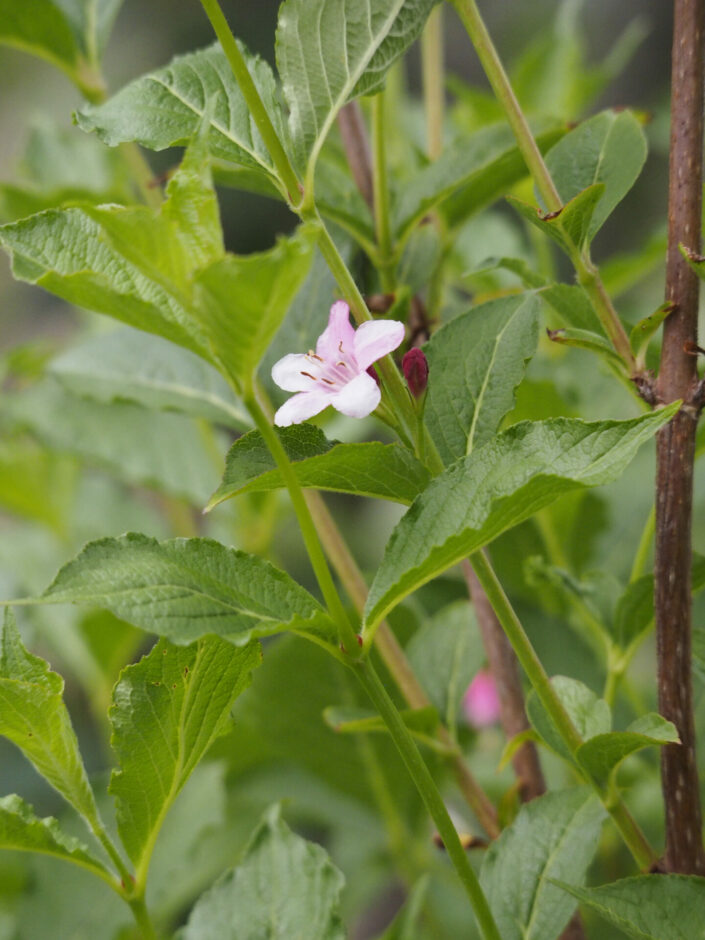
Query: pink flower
481	701
336	374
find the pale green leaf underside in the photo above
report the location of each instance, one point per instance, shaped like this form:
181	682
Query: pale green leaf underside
475	363
22	831
184	589
590	715
650	907
497	486
603	753
285	888
329	51
165	108
167	710
554	836
386	471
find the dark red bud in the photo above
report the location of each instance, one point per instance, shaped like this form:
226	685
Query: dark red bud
373	372
414	365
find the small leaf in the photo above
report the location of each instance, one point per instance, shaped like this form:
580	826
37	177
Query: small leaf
570	225
22	831
167	710
329	53
603	753
184	589
476	361
584	339
346	719
552	836
284	889
641	334
573	305
608	148
498	486
590	715
165	108
385	471
34	717
649	907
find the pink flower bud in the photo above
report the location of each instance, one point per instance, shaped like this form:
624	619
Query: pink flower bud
414	365
481	701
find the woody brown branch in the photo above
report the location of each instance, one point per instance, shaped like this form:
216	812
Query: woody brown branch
676	447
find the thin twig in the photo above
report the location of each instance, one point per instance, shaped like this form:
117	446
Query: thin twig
353	133
676	447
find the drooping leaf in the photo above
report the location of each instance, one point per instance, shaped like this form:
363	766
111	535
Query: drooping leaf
185	589
475	362
34	717
167	710
134	366
590	715
445	654
284	889
242	301
649	907
328	53
165	109
552	836
608	148
602	754
22	831
386	471
496	487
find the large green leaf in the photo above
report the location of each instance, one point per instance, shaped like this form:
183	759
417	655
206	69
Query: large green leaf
184	589
22	831
387	471
165	108
33	716
475	363
554	836
167	710
285	888
495	488
125	364
329	51
608	148
649	907
242	301
602	754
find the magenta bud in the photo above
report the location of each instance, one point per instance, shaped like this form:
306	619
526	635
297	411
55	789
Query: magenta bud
414	365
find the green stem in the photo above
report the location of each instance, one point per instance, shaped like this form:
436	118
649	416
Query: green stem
380	191
254	102
428	790
142	174
432	66
348	637
641	558
633	837
141	915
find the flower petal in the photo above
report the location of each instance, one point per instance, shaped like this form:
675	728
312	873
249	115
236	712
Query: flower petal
300	407
376	338
338	331
358	398
288	372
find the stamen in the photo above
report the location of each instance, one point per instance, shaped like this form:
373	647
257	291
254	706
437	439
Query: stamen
314	356
327	381
309	376
340	346
343	364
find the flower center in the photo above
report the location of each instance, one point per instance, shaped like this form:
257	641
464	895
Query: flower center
336	372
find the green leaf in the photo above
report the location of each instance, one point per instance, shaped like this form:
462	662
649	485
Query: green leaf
125	364
495	488
22	831
34	717
695	261
445	654
284	889
242	301
473	171
340	201
36	485
590	715
163	451
167	710
346	719
585	339
184	589
570	225
603	753
476	361
573	306
386	471
554	836
649	907
608	148
41	29
641	334
165	109
328	53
